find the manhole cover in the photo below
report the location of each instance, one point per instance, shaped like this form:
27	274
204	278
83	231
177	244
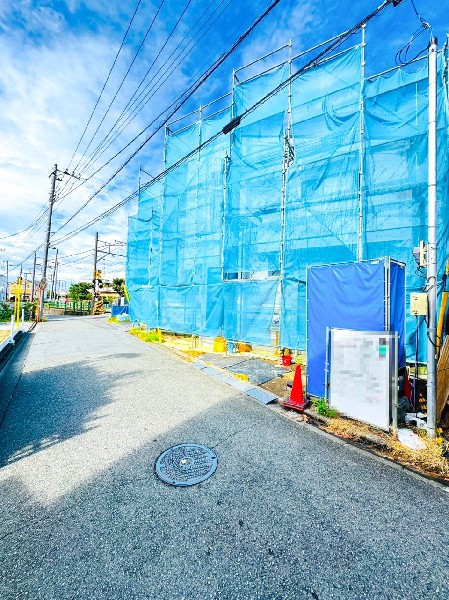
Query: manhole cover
186	464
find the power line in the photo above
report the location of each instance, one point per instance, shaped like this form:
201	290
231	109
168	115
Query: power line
40	214
236	121
123	79
105	83
105	144
136	99
199	82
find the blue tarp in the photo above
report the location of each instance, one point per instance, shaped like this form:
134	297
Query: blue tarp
221	244
349	296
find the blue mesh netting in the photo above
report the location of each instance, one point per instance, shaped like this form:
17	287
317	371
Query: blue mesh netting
211	251
395	184
143	258
322	188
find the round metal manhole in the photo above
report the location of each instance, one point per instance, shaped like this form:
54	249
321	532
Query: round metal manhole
186	464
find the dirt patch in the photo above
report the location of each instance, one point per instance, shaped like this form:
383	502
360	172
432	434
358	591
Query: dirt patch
428	461
277	386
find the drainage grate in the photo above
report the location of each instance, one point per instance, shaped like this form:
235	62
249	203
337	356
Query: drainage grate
186	464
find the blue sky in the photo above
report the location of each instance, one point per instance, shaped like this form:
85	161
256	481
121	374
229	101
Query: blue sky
56	56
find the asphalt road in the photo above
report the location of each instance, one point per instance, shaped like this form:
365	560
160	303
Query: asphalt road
289	513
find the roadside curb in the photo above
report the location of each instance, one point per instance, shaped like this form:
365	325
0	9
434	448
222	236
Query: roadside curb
275	406
11	371
360	448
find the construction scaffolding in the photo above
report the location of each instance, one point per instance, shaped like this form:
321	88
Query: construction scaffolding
332	167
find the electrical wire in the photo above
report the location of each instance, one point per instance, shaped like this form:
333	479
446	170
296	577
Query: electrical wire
105	83
423	21
401	57
157	85
124	78
142	81
42	211
199	82
137	102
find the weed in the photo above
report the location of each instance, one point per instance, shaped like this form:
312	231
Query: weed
322	408
146	336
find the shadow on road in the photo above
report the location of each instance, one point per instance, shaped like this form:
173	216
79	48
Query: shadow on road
288	515
51	405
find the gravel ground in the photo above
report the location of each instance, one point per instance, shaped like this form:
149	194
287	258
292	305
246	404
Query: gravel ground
289	513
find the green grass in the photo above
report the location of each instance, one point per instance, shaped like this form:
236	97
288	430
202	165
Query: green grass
147	336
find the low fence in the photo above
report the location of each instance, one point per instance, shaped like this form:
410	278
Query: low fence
9	331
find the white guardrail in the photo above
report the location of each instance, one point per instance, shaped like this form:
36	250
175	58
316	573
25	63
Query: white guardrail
13	328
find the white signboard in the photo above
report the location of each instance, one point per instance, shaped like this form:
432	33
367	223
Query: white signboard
363	370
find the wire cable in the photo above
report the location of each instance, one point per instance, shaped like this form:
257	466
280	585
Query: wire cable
137	102
200	81
123	79
41	213
105	83
99	146
153	90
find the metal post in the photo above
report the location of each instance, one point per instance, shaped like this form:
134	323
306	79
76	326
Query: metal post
285	166
198	167
327	367
223	214
394	342
361	153
53	283
56	278
432	242
94	279
34	278
138	197
7	277
47	236
24	287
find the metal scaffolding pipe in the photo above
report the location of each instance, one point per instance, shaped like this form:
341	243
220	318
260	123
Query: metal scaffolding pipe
432	242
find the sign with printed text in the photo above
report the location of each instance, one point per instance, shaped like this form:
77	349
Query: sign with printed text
362	374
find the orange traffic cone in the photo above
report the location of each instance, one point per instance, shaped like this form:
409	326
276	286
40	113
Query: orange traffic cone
297	400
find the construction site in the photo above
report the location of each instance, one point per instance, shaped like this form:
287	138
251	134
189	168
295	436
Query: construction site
302	201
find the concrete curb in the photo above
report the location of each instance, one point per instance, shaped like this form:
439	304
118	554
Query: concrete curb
250	389
12	370
358	447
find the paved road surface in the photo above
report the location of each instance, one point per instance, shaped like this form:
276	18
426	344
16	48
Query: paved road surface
289	513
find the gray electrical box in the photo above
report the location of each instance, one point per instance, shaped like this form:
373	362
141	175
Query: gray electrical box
418	304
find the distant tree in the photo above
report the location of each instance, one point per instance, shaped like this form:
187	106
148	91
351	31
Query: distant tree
80	291
5	312
118	285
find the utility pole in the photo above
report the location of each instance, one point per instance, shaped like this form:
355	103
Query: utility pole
56	278
53	176
7	277
34	278
432	273
94	279
24	287
55	274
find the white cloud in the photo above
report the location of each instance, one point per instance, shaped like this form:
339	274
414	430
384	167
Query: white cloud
47	92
